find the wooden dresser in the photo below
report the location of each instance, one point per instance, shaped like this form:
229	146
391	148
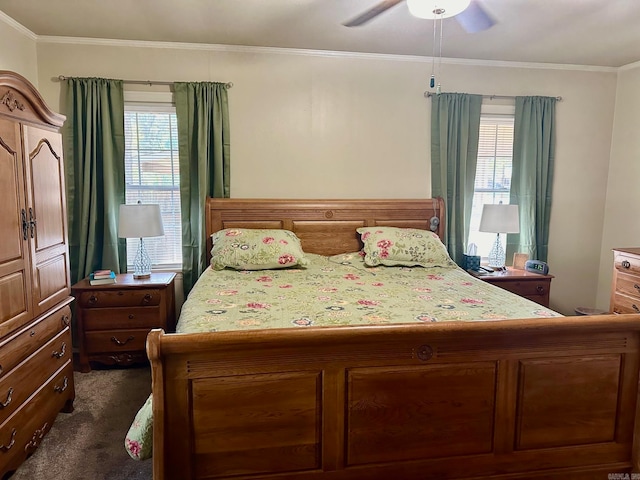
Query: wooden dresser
113	320
625	287
36	370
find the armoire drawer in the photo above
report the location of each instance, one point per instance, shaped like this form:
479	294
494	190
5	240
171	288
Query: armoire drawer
115	341
23	431
15	348
20	383
112	297
120	318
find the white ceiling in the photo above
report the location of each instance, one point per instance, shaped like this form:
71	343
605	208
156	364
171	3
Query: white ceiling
578	32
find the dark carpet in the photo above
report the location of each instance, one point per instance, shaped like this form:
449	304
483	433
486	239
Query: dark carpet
88	444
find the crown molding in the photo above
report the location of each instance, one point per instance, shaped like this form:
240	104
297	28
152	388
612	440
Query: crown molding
17	26
630	66
315	53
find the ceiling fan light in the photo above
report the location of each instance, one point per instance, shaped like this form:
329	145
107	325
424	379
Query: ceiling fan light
430	9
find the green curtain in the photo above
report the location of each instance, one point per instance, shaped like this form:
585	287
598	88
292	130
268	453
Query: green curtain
93	138
202	111
455	130
532	174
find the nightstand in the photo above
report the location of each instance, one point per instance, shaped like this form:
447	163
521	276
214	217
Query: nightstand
113	320
533	286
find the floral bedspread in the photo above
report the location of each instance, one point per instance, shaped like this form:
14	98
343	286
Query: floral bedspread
331	291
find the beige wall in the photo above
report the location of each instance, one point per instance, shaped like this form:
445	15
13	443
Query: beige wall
18	52
310	125
622	213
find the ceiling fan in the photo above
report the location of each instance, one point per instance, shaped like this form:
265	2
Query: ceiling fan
469	13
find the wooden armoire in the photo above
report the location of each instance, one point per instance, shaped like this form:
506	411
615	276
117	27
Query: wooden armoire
36	367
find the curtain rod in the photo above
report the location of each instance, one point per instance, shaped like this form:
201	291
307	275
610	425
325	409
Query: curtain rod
490	97
227	85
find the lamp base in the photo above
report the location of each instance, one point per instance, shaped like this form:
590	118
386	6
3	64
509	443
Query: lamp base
497	256
140	276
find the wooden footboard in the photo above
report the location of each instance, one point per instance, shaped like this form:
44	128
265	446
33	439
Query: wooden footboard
517	399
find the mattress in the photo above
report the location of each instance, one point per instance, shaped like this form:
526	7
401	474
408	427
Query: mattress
334	291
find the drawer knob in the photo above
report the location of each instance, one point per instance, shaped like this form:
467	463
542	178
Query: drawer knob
62	351
6	403
147	298
121	343
66	320
12	440
93	299
32	333
540	289
626	264
65	384
131	316
424	352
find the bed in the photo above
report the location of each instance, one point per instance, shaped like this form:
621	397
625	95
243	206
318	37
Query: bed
514	392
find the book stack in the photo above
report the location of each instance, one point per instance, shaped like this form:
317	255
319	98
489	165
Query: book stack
102	277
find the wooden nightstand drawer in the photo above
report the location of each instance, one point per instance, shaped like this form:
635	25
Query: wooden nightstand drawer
116	340
527	288
121	318
119	298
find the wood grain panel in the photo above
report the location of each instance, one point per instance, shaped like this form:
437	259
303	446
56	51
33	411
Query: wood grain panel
340	238
13	292
420	412
567	401
257	423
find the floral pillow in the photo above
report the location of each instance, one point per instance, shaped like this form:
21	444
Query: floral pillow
403	246
256	249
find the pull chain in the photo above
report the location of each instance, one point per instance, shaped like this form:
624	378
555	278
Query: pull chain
432	82
438	88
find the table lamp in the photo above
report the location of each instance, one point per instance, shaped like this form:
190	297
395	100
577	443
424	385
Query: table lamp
140	221
499	218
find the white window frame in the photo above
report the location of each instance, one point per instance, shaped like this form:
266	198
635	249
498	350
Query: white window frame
484	240
152	102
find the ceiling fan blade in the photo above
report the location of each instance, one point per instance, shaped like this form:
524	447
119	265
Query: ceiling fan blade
475	18
371	13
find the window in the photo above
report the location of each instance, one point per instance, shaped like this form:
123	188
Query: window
493	174
152	176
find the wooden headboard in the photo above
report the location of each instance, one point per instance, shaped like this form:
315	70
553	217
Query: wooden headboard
325	227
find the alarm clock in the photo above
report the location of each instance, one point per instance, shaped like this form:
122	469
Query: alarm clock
536	266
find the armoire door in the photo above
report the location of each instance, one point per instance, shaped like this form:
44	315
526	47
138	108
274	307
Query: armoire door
15	275
46	218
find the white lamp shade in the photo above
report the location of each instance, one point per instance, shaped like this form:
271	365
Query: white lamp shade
500	218
140	220
428	8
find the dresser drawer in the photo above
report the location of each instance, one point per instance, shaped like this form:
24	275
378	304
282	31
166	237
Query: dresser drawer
23	431
121	318
17	347
627	263
18	384
115	341
624	304
126	297
627	284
